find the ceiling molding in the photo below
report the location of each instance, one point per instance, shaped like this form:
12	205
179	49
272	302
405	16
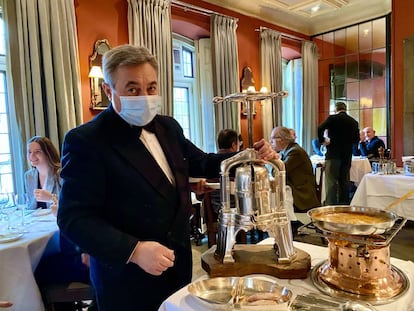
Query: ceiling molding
296	15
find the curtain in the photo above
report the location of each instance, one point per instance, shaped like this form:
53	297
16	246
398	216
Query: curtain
293	104
149	25
271	71
310	93
225	71
43	71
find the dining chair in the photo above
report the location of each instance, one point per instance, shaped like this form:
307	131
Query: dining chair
210	218
211	221
196	232
319	170
75	292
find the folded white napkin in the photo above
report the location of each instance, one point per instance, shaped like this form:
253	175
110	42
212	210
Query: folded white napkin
407	158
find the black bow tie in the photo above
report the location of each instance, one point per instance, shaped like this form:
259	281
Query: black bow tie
150	127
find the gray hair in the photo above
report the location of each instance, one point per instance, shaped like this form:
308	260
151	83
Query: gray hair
125	55
284	133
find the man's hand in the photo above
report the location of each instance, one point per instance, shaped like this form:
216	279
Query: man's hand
265	150
153	257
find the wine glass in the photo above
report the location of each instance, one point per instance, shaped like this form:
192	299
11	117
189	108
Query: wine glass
4	199
7	208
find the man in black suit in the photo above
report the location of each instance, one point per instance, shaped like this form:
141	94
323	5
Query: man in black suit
125	196
343	132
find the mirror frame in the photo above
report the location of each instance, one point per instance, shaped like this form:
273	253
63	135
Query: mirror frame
99	101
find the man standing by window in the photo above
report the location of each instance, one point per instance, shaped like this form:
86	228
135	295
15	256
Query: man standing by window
342	133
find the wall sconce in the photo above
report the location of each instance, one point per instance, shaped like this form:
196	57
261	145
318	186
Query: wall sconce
247	86
96	78
99	101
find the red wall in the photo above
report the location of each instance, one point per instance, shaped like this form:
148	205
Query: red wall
98	19
107	19
401	27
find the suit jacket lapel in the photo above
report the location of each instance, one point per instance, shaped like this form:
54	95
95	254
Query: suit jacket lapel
125	139
172	153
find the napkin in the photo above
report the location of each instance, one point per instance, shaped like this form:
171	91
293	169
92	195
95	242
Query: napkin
407	158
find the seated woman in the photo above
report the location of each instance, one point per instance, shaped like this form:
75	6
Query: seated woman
43	184
42	181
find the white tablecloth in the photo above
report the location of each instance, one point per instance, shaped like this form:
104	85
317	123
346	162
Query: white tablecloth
381	190
359	167
19	259
182	301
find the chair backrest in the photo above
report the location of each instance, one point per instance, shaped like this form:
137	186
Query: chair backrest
319	170
72	292
210	218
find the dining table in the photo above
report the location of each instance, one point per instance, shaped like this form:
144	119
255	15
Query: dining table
380	190
20	254
182	300
359	167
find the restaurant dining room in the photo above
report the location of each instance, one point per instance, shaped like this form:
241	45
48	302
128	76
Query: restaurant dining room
183	155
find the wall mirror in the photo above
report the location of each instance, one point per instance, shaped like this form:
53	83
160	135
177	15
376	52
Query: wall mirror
99	101
408	96
354	68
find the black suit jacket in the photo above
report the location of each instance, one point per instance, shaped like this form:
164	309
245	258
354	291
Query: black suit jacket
114	194
343	132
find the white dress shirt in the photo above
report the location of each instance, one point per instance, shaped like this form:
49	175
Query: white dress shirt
152	144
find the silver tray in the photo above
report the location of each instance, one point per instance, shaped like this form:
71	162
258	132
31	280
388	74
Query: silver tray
218	293
319	215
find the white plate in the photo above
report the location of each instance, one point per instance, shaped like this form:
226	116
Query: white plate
10	237
42	212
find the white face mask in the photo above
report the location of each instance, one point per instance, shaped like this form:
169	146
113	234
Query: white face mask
139	110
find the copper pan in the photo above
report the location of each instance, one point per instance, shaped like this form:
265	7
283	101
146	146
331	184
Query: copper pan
353	220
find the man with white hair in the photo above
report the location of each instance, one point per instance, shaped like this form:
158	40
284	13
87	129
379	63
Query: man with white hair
372	143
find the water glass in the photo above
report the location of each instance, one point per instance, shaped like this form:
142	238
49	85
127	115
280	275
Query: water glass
21	201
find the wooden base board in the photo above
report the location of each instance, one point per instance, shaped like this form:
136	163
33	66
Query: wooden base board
256	259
